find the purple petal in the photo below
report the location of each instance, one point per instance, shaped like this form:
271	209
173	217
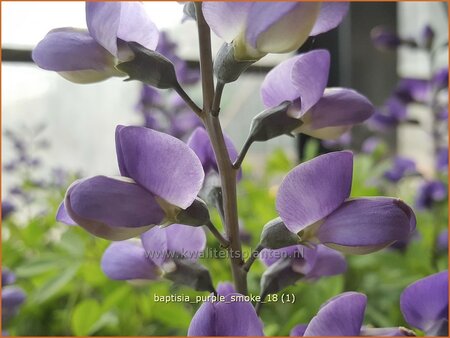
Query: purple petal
410	90
401	166
229	318
298	330
128	21
341	316
7	209
440	78
330	16
199	142
370	144
74	54
114	209
161	163
269	256
314	189
442	241
328	262
429	193
62	215
442	159
225	288
8	277
186	240
302	78
226	19
128	260
425	302
280	27
364	225
12	297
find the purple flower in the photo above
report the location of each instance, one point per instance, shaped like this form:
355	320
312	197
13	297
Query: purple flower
401	166
231	317
8	277
343	141
7	209
161	177
308	263
322	113
427	36
429	193
370	144
12	298
424	304
313	202
389	116
200	143
440	78
343	315
384	39
413	90
258	28
128	260
85	56
442	241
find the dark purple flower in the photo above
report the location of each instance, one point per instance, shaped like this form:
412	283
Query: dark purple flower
313	202
424	304
232	317
258	28
442	159
401	166
128	260
161	176
413	90
324	113
7	209
86	56
200	143
429	193
8	277
384	39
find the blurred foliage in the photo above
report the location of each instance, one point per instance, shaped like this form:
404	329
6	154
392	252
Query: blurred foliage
68	294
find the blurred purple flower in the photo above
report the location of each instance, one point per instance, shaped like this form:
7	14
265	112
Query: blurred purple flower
7	209
440	78
85	56
256	29
429	193
8	277
12	298
413	90
128	260
442	241
424	304
161	176
343	141
401	166
370	144
389	115
325	113
427	37
313	202
385	39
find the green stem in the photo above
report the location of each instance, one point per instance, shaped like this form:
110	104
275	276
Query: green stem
226	170
217	98
244	150
247	265
222	240
196	109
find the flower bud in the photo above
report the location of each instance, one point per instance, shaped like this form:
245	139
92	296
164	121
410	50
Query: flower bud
275	235
189	273
278	276
196	214
149	67
226	67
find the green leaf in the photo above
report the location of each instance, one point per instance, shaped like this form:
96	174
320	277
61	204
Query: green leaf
55	284
85	316
41	264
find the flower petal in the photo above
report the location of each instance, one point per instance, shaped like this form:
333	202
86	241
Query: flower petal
128	21
161	163
341	316
339	107
74	54
328	262
365	225
269	256
314	189
128	260
226	19
186	240
425	302
110	208
62	215
302	78
277	27
298	330
330	16
225	288
204	321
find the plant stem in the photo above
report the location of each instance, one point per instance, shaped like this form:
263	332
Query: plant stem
244	150
226	170
252	258
222	240
188	100
217	98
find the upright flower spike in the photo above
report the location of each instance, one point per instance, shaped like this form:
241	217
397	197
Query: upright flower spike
424	304
86	56
313	202
256	29
325	113
232	317
161	179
